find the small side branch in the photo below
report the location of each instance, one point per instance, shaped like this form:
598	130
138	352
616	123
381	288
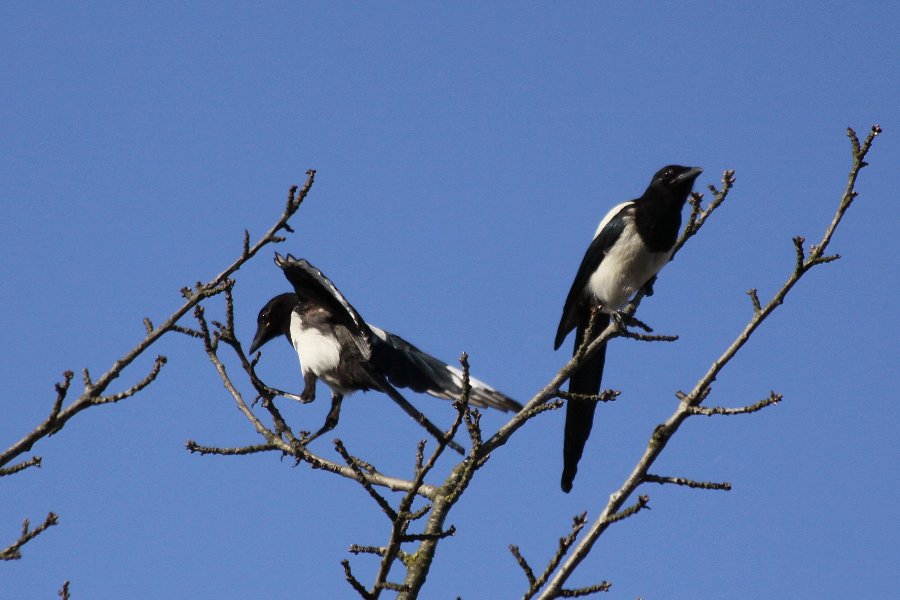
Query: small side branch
542	408
643	503
12	552
604	396
643	337
754	298
354	582
718	410
585	591
151	376
34	461
700	485
353	463
195	448
698	214
523	564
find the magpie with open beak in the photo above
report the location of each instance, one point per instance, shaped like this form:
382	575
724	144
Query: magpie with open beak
633	242
335	344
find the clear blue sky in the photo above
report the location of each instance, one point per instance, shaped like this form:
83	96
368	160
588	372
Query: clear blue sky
465	153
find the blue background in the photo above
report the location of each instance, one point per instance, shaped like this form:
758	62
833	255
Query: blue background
465	153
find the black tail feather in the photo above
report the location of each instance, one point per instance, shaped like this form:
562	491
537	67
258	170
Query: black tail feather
580	414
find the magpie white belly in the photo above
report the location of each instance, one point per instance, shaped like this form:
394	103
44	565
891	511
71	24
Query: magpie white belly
623	271
318	353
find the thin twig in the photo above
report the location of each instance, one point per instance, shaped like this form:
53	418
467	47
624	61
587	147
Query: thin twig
151	376
12	552
523	564
604	396
34	461
364	482
193	447
701	485
354	582
718	410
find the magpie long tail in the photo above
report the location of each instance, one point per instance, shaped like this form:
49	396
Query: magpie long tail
580	413
417	416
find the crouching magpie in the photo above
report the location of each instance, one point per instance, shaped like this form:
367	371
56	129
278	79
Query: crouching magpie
633	242
335	344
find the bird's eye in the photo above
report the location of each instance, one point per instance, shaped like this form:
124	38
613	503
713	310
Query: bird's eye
668	173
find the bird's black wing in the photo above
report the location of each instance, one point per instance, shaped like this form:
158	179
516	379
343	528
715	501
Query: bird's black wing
611	228
312	286
404	365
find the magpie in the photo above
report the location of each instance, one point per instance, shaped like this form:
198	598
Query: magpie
632	243
335	344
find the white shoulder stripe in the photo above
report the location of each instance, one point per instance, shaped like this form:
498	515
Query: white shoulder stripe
610	215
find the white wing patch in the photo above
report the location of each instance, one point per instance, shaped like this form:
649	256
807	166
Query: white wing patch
613	212
378	331
317	352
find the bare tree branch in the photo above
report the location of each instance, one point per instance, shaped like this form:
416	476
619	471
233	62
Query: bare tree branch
94	390
12	552
604	396
367	485
194	447
701	485
94	393
151	376
354	582
34	461
718	410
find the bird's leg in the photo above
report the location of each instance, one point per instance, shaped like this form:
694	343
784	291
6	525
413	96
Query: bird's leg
331	420
309	387
648	287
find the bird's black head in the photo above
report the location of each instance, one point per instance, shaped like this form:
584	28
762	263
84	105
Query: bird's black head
674	181
274	319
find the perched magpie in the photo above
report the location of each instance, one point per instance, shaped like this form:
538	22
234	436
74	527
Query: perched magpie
335	344
633	242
